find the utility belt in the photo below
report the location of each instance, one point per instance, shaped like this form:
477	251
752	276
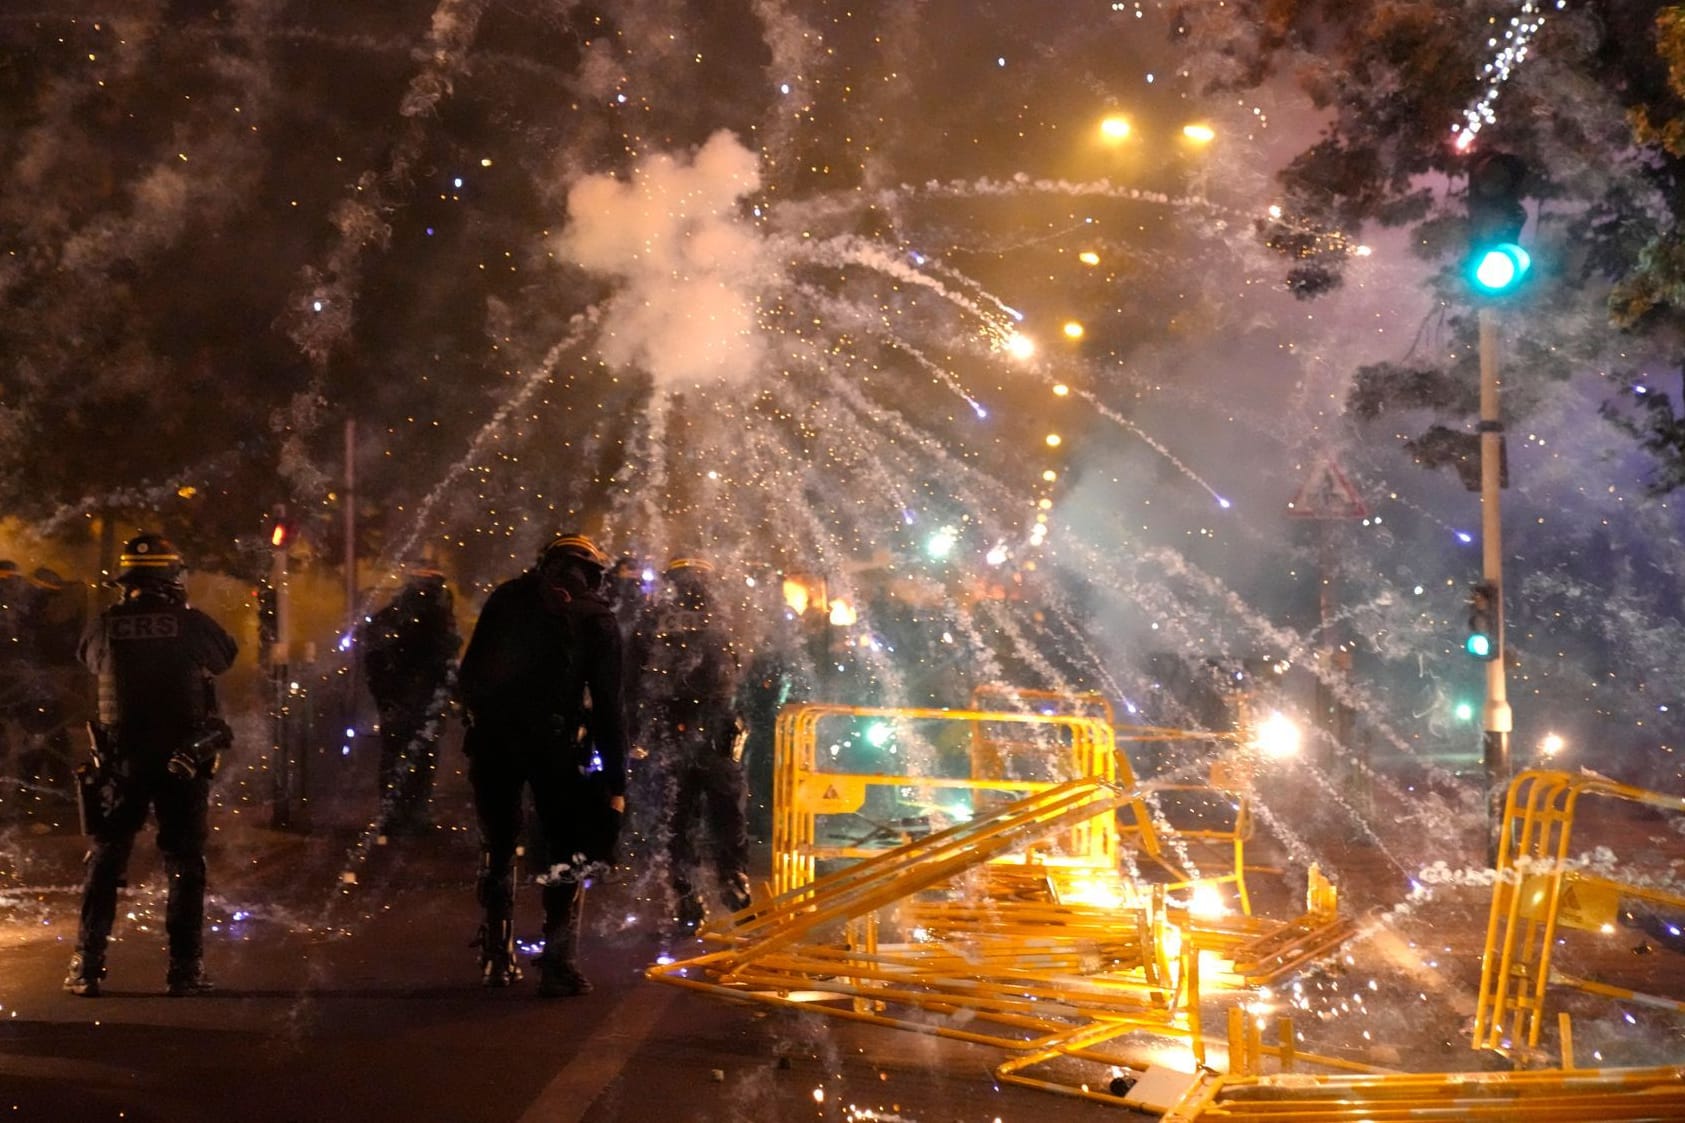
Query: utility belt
199	758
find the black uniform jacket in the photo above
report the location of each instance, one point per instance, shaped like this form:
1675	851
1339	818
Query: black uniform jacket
531	665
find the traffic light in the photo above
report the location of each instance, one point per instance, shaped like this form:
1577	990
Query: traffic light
280	528
1497	263
1482	641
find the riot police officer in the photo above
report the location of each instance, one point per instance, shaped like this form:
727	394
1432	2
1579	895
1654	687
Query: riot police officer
688	719
157	739
409	658
541	682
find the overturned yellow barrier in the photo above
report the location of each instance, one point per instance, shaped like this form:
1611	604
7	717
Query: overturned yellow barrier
1016	929
1538	893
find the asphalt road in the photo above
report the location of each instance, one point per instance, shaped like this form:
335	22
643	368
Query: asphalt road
342	999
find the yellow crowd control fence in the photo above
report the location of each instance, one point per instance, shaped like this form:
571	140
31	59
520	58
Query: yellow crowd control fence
807	789
1540	892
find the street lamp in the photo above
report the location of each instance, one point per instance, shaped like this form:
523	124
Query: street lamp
1114	129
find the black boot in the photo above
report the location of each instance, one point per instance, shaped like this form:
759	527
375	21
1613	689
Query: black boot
86	971
497	952
187	977
559	974
736	893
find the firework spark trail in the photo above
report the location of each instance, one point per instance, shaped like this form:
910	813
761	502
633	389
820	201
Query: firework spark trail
795	48
849	250
841	312
648	444
1123	422
166	197
488	432
322	307
40	148
1297	650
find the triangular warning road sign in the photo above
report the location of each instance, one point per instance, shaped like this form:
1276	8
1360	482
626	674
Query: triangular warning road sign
1327	494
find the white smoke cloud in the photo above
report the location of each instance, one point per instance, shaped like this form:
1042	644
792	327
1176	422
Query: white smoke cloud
689	263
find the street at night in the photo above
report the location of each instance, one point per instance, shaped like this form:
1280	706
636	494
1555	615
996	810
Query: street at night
957	560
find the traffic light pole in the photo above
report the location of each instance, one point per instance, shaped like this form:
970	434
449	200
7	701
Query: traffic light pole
1497	720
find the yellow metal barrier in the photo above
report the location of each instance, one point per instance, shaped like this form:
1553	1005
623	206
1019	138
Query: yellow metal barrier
1547	1096
803	791
1537	892
1164	842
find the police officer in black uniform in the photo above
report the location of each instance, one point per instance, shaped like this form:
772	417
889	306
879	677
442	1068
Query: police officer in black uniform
541	682
688	719
158	736
409	657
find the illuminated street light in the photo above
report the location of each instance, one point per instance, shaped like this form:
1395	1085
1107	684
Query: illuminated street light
1020	346
1114	129
1088	257
1551	744
1054	440
1073	330
1199	133
1060	390
843	614
940	544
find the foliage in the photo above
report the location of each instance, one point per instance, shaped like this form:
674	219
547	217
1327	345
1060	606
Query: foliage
1596	108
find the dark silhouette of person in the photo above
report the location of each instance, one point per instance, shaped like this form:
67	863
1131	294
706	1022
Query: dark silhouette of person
542	684
57	691
158	735
409	661
687	718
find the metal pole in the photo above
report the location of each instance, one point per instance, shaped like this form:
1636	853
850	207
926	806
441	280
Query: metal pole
350	501
280	656
1497	720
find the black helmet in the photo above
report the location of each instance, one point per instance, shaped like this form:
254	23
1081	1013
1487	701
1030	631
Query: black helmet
577	547
149	559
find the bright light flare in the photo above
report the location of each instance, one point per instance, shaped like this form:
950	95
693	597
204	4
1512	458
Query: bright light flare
1278	736
1207	901
1551	744
1020	346
1198	133
940	544
796	596
1088	257
843	614
1072	329
1054	440
1114	129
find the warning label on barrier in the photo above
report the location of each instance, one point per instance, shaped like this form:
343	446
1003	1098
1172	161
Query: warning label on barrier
830	795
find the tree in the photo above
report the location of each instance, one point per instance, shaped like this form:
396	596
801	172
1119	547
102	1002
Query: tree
1595	106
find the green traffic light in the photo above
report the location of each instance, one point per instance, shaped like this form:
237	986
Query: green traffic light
1479	645
1464	711
1500	268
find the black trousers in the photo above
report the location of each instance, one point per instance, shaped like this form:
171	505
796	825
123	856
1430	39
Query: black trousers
181	807
572	808
409	757
705	786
